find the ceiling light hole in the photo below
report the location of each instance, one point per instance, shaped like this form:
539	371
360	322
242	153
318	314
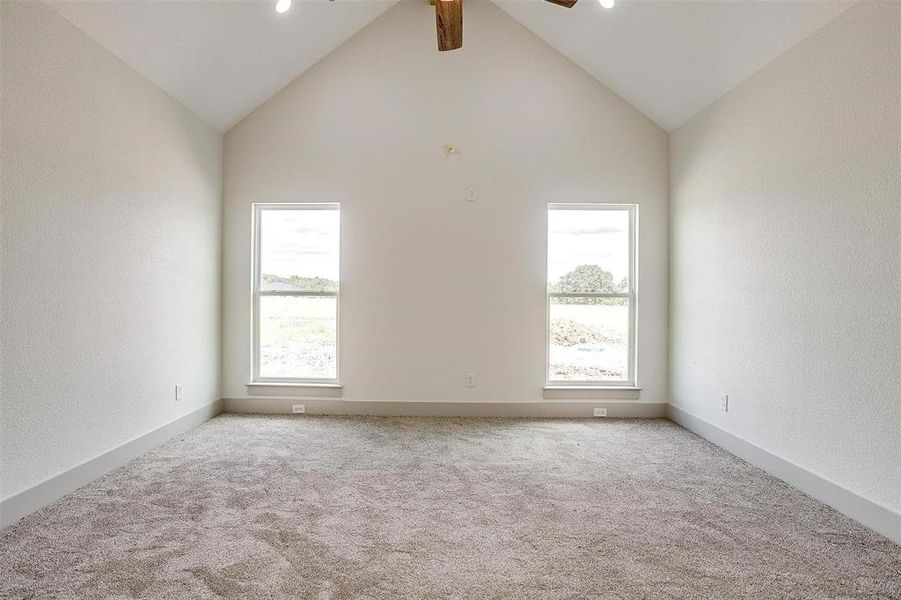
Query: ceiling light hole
608	4
282	6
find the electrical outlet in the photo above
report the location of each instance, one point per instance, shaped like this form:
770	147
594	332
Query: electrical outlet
724	403
600	412
178	394
299	408
470	380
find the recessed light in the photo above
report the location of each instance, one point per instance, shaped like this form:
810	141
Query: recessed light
283	6
608	4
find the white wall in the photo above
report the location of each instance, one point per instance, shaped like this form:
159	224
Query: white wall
111	225
434	287
786	256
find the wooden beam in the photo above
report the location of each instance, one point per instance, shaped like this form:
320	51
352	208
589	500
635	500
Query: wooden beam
449	22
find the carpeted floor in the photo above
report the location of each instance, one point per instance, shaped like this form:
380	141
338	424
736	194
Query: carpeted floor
329	507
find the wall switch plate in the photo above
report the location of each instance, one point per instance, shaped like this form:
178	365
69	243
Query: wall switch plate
470	380
600	412
298	408
724	403
178	394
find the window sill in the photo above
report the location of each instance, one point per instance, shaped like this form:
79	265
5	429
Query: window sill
591	392
272	388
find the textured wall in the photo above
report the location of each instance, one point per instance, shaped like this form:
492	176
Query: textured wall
111	220
434	287
786	256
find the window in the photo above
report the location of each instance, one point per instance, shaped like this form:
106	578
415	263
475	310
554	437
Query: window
295	292
591	294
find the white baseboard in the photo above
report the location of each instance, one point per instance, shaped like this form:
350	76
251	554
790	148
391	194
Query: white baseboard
873	515
330	406
27	501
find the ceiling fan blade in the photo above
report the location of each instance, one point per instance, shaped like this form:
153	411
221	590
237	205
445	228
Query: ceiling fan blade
566	3
449	21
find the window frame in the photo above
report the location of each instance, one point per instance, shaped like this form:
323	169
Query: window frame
632	295
257	293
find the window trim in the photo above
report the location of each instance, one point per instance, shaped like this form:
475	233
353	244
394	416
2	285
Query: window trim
631	380
256	294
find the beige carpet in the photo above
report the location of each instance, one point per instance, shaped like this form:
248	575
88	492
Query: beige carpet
323	507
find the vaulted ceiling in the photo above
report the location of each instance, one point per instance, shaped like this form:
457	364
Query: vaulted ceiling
669	58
